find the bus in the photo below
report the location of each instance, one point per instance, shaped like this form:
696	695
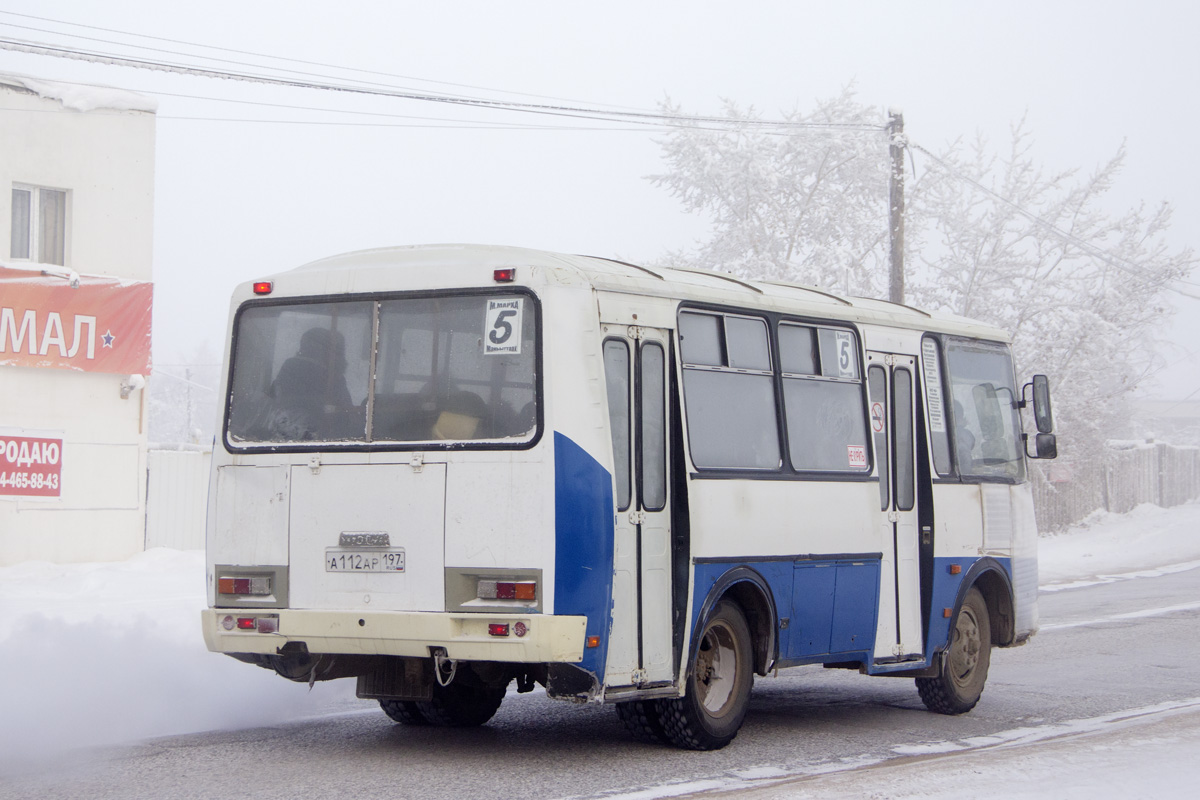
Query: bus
444	470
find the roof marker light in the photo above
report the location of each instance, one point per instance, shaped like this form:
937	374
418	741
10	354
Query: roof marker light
263	287
506	275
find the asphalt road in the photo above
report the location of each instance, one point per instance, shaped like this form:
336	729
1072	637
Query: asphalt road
1097	654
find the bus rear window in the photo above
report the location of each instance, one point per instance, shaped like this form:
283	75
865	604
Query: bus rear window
439	369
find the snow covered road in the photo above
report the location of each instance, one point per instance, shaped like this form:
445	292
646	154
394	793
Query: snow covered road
108	654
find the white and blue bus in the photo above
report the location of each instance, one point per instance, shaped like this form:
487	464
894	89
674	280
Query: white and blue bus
444	469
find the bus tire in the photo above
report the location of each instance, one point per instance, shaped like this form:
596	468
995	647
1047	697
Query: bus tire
964	667
642	718
461	705
717	692
403	711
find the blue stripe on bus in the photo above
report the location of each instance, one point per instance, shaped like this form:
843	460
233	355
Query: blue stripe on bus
583	534
832	605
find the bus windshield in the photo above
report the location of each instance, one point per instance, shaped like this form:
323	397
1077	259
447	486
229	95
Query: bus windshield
987	425
419	369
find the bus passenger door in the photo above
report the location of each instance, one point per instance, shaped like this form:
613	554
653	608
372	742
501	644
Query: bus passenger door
640	648
890	381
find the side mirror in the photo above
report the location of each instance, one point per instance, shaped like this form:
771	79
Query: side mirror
1046	445
1042	416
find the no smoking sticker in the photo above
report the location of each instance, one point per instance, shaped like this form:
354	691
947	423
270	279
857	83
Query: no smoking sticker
877	417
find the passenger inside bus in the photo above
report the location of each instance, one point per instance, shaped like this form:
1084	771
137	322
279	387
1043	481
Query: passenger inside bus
311	389
964	439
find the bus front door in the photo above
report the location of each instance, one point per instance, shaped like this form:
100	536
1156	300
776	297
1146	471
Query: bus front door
890	380
640	647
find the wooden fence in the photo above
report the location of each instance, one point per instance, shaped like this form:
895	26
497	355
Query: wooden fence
1129	474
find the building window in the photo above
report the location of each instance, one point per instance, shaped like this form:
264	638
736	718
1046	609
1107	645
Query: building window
39	225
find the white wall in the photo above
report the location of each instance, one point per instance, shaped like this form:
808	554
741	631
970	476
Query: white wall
105	159
177	497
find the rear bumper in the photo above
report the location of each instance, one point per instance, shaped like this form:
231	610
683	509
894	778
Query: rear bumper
395	633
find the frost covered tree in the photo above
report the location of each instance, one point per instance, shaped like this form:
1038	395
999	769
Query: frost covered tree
1035	253
805	201
992	237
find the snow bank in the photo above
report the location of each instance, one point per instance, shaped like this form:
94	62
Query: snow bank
1106	547
98	654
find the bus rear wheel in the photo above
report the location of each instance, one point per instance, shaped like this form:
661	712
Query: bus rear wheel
403	711
964	667
642	719
717	695
461	705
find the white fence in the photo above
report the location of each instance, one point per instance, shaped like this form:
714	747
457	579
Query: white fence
177	496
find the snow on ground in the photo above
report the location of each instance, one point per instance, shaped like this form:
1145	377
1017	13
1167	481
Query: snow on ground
104	653
97	654
1107	547
1140	753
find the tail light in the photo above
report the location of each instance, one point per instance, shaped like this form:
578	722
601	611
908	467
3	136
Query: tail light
263	623
253	587
507	590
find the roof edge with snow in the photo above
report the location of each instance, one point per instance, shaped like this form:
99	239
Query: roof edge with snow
80	96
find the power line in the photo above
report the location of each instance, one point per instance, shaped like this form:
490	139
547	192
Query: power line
285	59
192	55
580	112
1090	249
642	118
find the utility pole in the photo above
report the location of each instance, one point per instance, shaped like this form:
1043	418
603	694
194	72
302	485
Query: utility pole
896	143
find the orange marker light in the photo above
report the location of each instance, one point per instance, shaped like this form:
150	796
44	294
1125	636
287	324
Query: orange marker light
593	641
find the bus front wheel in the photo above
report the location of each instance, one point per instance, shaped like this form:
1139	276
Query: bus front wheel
964	667
714	704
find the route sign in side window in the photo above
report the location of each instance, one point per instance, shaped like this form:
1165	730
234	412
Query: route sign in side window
935	405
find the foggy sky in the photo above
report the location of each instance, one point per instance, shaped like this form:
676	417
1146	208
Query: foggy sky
236	200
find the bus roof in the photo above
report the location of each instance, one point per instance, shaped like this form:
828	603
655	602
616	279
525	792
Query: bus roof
450	264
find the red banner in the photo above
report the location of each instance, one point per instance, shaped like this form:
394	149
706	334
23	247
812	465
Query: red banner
30	466
86	323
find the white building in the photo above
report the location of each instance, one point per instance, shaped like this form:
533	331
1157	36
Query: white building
76	241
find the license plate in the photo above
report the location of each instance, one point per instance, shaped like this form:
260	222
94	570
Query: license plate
339	560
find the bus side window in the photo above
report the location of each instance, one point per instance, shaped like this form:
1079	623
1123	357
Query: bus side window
616	377
728	391
823	402
652	438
